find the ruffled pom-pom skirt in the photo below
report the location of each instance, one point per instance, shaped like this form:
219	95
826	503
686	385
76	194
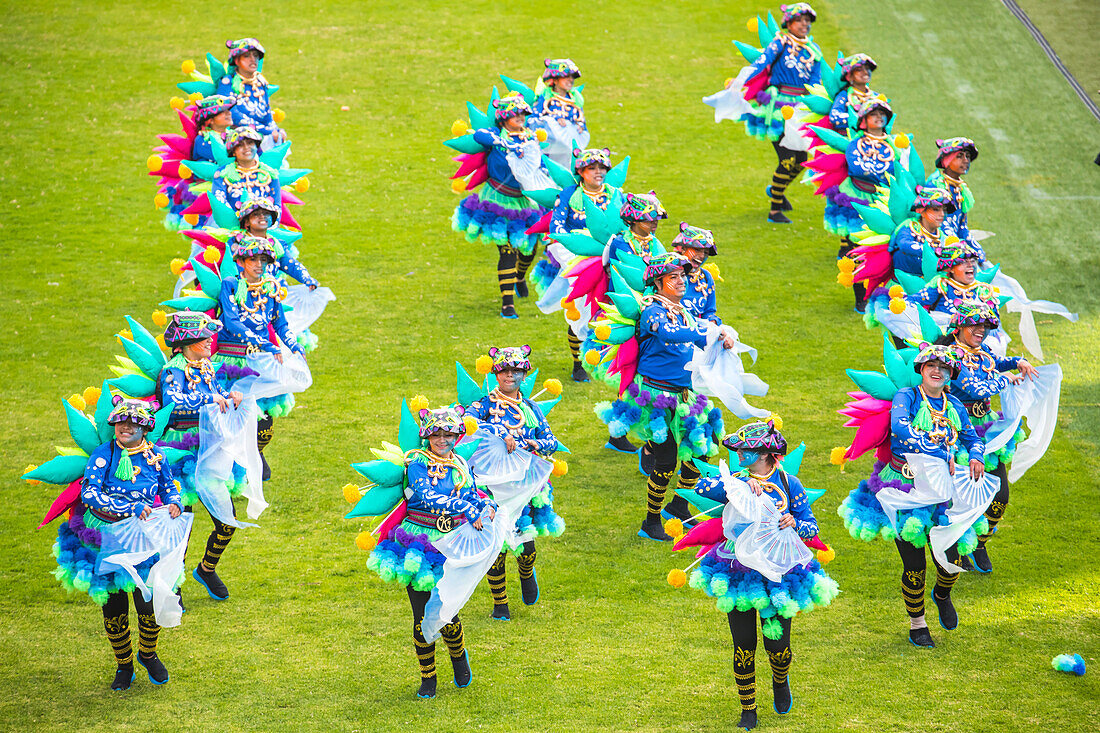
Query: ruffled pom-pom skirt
491	217
407	557
648	414
77	549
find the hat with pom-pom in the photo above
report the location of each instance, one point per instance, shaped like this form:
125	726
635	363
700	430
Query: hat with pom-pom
663	264
792	11
245	245
510	357
762	435
139	412
189	327
257	203
954	145
559	68
511	106
242	46
211	106
642	207
947	355
875	104
695	238
592	156
442	420
238	135
974	314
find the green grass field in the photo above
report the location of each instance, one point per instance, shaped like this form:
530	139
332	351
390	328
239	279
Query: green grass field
310	640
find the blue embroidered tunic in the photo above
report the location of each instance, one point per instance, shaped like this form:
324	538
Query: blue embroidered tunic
188	385
848	100
205	142
665	339
699	296
791	63
568	215
522	421
945	294
103	492
980	376
628	242
246	321
870	160
907	246
942	439
253	107
782	488
500	142
232	186
442	486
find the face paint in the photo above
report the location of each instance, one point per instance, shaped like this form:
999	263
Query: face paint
442	443
746	458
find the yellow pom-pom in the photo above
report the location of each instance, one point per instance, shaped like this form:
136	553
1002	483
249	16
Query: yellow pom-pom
351	493
897	306
176	266
365	541
844	278
126	334
188	67
573	314
191	219
714	271
896	291
160	318
776	421
470	424
195	97
560	467
951	240
566	303
177	484
484	364
727	82
302	184
212	255
553	386
160	200
674	528
184	171
77	401
826	556
459	128
836	455
27	469
160	341
845	264
91	395
154	162
788	113
753	24
901	141
278	115
177	102
418	403
602	332
458	185
592	357
677	578
540	134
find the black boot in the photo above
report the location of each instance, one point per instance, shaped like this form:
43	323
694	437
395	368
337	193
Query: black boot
213	584
921	638
158	673
949	618
782	698
652	529
427	688
508	311
646	461
679	509
981	560
748	720
463	674
621	444
579	374
124	677
521	289
778	217
785	206
501	612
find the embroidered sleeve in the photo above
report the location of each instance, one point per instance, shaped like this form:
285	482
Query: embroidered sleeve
799	506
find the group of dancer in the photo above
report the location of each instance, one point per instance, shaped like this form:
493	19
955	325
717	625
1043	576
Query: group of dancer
190	411
470	482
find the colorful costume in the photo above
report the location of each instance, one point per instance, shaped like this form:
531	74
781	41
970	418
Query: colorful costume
956	223
522	420
751	566
844	111
699	293
559	116
253	108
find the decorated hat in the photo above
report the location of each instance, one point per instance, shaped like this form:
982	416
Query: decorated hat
510	106
695	238
247	245
211	106
558	68
243	45
762	436
189	327
932	196
642	207
955	252
234	137
792	11
592	156
663	264
949	355
510	357
971	313
443	420
139	412
258	203
872	104
853	62
954	145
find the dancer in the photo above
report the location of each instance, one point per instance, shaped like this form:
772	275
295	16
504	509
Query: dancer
247	177
855	93
212	118
248	86
953	161
507	412
696	244
558	109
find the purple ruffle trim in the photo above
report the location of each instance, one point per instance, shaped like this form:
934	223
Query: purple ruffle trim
233	372
186	442
87	535
474	204
762	97
843	199
874	483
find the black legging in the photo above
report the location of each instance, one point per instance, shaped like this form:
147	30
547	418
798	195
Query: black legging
664	468
997	507
451	633
506	276
912	576
497	577
116	622
743	630
215	544
790	165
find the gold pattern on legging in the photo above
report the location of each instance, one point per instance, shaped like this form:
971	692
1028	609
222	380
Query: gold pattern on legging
526	563
656	488
452	635
781	665
148	632
912	591
498	581
689	476
744	657
118	633
945	580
